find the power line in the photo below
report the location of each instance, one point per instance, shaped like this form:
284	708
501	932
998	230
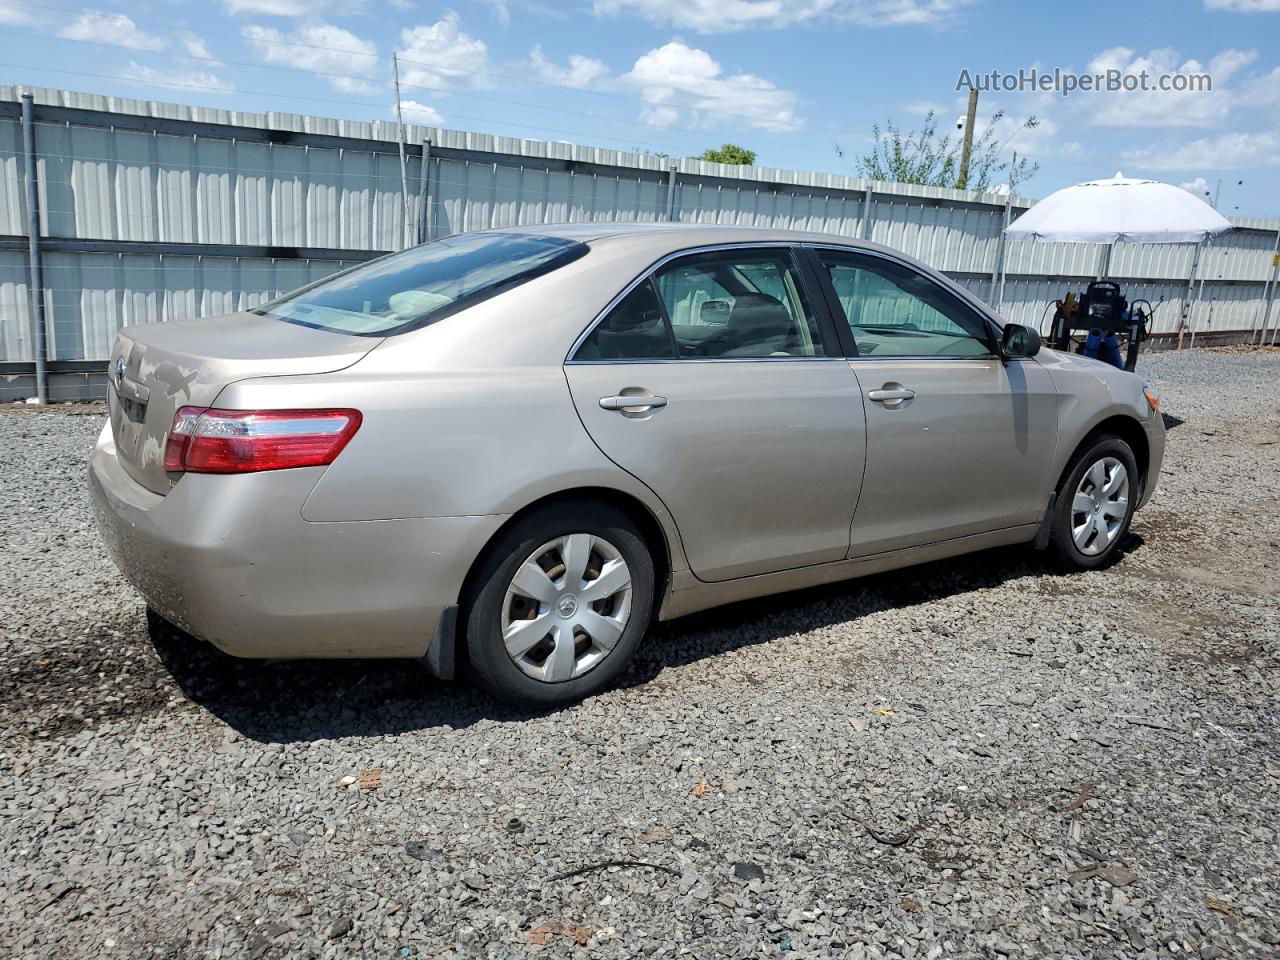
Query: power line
293	96
214	61
438	66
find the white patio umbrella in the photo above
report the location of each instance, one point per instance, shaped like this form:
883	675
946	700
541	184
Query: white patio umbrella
1121	210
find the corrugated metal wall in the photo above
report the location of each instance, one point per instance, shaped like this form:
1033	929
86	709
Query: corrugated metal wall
131	191
124	185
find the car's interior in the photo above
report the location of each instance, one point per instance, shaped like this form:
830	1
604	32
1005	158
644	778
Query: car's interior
893	311
633	330
422	284
748	304
742	305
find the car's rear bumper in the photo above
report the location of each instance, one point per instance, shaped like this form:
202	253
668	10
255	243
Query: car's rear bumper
230	560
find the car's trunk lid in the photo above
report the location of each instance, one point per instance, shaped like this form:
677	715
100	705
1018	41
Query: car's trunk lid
156	369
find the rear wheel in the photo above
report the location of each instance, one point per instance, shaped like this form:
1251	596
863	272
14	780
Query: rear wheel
1095	505
561	602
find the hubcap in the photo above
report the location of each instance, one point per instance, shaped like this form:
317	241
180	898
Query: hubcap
1100	505
566	607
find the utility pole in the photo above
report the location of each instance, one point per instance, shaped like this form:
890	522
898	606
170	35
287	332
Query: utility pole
962	181
404	172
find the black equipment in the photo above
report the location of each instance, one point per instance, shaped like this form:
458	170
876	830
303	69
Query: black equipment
1109	323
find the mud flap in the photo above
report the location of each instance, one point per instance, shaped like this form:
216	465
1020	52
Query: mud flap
1041	541
440	656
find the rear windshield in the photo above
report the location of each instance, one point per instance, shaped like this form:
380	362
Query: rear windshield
411	289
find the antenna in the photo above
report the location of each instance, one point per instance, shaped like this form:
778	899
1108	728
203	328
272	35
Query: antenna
404	174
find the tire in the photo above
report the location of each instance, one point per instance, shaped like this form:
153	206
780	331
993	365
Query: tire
563	662
1090	522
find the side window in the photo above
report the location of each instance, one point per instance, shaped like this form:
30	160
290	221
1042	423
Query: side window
739	303
635	329
895	312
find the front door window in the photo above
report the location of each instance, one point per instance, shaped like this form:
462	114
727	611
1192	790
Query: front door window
893	311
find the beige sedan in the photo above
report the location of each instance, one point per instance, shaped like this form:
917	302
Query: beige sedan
521	447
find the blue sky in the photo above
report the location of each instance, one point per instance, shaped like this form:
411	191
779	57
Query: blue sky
791	79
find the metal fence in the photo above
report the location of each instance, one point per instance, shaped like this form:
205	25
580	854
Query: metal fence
151	212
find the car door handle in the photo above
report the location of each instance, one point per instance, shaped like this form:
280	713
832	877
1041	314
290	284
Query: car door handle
891	396
642	401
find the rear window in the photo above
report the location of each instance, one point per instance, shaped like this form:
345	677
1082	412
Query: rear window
420	286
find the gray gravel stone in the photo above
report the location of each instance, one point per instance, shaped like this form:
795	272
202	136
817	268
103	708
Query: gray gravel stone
338	929
162	800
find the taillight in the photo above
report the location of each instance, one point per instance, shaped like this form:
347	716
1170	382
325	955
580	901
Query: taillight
208	440
175	448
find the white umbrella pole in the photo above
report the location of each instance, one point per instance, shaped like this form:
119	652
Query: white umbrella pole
1189	299
1004	253
1268	291
1196	303
1106	261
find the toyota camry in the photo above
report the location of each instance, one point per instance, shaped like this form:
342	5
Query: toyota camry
514	450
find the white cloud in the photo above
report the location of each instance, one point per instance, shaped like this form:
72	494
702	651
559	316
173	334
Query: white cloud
195	47
1165	108
175	78
1156	108
901	13
415	112
114	29
1230	151
269	8
922	107
501	11
441	55
1244	6
321	48
660	116
676	79
1239	100
11	12
581	71
1013	135
403	4
1199	186
292	8
1230	62
718	16
1263	91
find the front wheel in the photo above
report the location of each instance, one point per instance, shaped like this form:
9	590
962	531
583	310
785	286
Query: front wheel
1094	505
561	602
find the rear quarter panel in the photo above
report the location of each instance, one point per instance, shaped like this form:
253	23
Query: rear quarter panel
450	443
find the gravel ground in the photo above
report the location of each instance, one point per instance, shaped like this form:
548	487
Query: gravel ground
969	759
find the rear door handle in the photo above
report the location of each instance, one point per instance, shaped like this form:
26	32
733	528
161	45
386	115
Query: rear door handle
891	396
641	401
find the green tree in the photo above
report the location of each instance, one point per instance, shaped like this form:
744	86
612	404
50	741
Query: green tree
730	153
931	159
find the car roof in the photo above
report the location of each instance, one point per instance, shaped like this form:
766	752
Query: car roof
662	239
658	239
680	233
652	240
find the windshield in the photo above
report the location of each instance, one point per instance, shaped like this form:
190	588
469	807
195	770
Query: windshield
420	286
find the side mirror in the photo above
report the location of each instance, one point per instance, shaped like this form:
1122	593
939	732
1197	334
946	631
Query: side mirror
1019	341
